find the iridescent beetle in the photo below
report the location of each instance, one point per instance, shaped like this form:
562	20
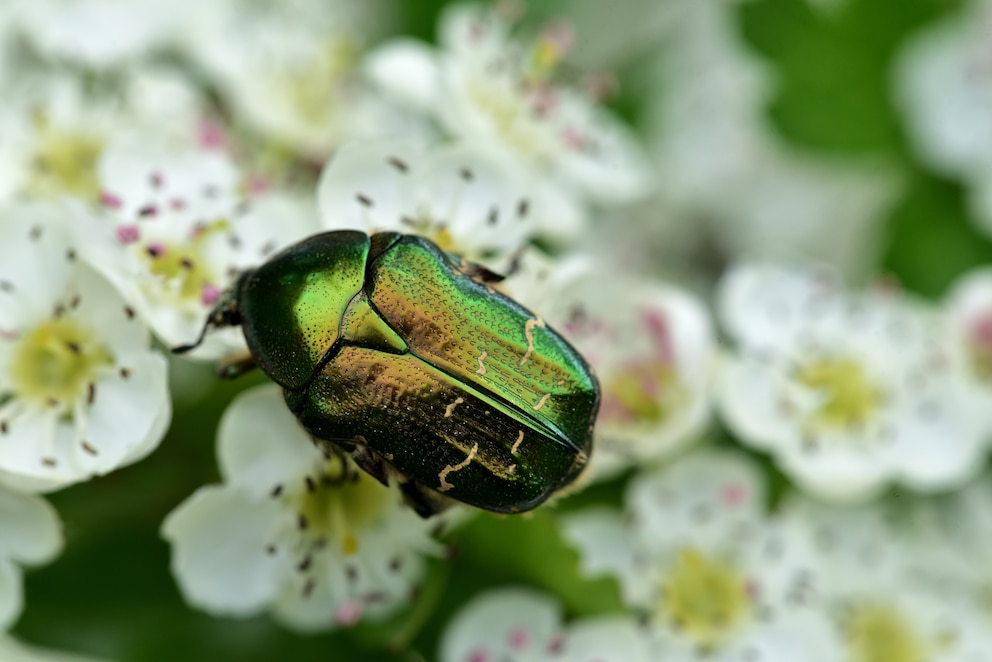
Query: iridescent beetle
394	352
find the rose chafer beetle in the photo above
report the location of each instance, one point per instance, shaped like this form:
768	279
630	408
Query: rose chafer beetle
406	358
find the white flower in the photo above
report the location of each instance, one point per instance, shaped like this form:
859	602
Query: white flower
309	537
949	537
969	322
712	574
81	393
96	33
719	161
30	533
12	650
468	203
488	88
517	625
848	391
177	229
864	584
649	343
55	130
289	71
944	81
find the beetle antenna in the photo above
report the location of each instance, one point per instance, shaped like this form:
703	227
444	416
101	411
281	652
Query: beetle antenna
225	313
182	349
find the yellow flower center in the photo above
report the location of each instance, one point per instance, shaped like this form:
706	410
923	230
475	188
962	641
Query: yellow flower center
65	162
645	392
849	398
877	633
183	265
510	115
341	503
56	361
704	598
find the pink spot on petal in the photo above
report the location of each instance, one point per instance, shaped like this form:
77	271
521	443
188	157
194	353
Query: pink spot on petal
477	656
557	645
981	329
258	184
110	200
210	135
177	204
545	99
519	639
560	34
209	295
156	249
155	179
128	234
733	495
656	325
574	138
6	334
348	613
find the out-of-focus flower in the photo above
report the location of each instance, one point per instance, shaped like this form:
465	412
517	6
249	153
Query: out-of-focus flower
969	322
518	625
289	71
54	130
849	391
81	392
649	343
97	34
719	162
30	533
176	228
696	553
487	87
944	81
463	199
308	536
12	650
863	583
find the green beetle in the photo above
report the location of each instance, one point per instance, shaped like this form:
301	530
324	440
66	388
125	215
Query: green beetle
391	350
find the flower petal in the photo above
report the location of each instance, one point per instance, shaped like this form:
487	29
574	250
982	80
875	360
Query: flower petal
220	538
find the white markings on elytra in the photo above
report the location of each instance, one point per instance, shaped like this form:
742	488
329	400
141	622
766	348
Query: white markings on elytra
482	368
451	408
451	468
542	401
529	333
516	444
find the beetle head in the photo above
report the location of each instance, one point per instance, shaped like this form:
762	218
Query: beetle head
227	312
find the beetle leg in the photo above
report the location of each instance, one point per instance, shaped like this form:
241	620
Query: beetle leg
233	366
424	501
479	273
370	462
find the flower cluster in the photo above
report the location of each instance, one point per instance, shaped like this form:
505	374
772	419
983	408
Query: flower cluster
790	455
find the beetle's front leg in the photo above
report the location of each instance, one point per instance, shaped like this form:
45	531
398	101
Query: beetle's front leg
235	365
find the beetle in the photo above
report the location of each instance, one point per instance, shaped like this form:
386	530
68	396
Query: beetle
407	359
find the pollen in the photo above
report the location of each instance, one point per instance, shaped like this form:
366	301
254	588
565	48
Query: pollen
342	505
705	598
65	162
847	396
878	633
58	361
647	392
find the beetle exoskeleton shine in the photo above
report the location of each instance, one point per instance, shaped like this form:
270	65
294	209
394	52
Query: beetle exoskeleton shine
396	353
